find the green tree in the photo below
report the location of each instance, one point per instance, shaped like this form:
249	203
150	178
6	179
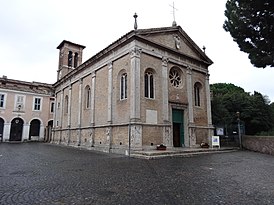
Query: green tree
255	111
272	115
227	100
260	117
251	25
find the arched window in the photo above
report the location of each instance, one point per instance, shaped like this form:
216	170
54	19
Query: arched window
123	86
75	60
70	58
87	97
197	94
66	105
149	84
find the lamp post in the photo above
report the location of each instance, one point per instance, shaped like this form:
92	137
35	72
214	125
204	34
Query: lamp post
239	129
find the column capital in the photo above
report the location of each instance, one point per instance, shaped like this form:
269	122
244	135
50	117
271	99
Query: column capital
81	81
189	70
135	52
93	74
164	61
110	65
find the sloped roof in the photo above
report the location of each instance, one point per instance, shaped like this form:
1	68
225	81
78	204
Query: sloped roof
65	41
140	34
194	46
24	86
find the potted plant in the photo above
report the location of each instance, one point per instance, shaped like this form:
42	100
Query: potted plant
161	147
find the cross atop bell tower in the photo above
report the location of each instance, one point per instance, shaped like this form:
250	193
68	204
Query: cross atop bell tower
70	57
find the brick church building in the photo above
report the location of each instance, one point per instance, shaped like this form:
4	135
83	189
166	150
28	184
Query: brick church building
149	87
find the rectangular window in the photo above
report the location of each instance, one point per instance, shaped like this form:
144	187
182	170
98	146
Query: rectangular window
52	107
37	104
20	102
2	100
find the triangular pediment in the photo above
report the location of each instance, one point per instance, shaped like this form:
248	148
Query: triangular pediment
175	39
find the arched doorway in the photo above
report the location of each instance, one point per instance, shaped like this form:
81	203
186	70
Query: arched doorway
34	131
16	129
1	129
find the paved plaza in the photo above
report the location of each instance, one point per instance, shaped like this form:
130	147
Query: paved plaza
37	173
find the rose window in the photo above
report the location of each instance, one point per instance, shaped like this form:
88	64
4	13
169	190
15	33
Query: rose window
175	78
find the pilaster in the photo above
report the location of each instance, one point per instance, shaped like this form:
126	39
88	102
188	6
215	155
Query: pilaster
92	99
80	97
69	106
69	115
135	85
208	103
61	113
208	106
190	95
110	92
165	90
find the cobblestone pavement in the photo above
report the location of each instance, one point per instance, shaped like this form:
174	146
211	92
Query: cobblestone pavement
36	173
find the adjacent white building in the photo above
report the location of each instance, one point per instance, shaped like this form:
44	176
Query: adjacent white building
26	110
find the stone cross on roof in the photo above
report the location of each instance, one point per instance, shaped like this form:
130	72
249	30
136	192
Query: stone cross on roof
173	13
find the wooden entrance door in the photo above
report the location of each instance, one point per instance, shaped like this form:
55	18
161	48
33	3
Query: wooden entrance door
16	129
178	127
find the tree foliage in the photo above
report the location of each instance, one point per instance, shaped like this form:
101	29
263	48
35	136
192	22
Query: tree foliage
251	25
255	112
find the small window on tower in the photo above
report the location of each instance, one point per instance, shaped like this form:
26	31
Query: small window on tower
70	58
75	60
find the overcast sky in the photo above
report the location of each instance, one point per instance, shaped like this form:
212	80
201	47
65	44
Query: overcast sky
30	31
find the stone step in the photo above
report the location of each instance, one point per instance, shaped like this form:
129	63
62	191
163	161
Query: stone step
180	152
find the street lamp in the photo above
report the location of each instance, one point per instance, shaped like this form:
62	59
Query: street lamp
239	129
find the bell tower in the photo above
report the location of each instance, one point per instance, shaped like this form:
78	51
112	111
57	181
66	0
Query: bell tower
70	57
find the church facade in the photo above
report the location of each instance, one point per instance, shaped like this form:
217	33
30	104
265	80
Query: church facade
149	87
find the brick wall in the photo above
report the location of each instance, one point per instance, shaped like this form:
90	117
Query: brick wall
263	144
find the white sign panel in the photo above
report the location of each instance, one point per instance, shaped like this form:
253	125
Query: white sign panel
220	131
216	141
151	116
